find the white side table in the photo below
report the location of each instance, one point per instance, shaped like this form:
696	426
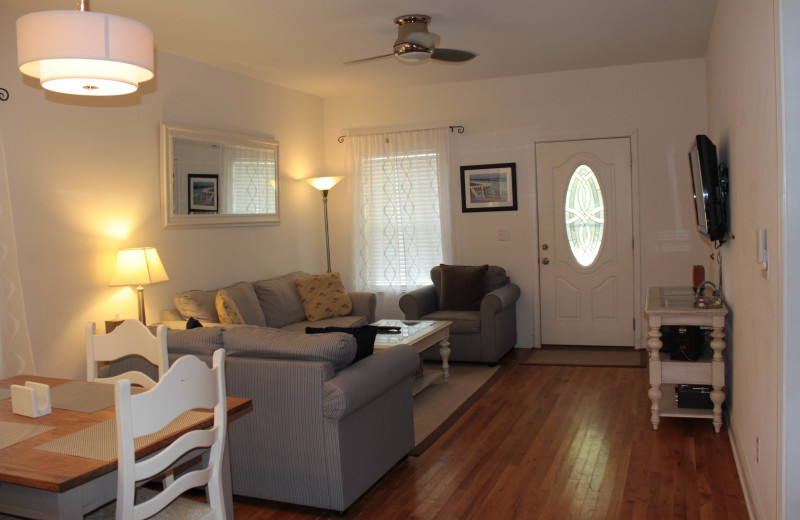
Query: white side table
675	306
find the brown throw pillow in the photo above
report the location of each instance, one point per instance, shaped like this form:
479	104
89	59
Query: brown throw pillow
226	308
323	296
462	287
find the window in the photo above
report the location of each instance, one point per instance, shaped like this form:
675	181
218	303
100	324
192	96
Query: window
401	185
584	215
252	186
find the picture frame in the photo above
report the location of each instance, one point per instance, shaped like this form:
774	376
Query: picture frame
203	193
489	187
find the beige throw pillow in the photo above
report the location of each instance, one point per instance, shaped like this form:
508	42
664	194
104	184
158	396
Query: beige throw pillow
323	296
226	308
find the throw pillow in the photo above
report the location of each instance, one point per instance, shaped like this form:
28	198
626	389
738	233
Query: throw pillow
365	337
192	323
462	287
323	296
226	308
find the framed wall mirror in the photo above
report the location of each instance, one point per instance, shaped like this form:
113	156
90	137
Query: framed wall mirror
213	178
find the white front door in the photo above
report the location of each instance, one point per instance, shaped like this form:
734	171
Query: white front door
585	242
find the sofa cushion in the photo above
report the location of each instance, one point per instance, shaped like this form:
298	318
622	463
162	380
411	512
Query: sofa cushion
198	341
462	287
338	349
461	322
339	321
279	299
197	304
365	337
323	296
244	297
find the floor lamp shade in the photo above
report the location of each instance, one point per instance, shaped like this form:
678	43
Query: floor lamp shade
139	266
85	53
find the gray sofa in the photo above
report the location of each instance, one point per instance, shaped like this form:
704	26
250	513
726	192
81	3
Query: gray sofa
484	335
322	429
273	302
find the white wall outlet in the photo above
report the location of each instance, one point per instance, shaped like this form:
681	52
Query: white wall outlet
503	235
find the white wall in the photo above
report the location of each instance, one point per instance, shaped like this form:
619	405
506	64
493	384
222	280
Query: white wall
662	103
743	107
84	183
790	54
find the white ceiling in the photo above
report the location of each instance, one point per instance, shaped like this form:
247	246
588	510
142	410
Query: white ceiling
301	44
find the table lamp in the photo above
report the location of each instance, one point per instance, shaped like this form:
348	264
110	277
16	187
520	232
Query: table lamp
324	184
138	266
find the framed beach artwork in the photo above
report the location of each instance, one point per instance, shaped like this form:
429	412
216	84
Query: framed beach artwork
489	187
203	193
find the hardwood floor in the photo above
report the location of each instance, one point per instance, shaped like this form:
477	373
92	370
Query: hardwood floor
549	442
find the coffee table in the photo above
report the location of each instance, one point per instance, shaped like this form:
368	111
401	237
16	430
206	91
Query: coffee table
422	335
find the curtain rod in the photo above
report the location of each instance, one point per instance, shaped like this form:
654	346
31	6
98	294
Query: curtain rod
453	128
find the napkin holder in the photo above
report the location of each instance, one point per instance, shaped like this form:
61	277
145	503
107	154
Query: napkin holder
31	400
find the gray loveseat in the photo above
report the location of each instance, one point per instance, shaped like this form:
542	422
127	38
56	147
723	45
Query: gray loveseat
322	429
273	302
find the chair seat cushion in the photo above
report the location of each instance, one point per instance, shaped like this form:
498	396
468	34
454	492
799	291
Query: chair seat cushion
463	322
180	509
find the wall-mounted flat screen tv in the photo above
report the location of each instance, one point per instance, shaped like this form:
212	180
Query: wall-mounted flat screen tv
709	181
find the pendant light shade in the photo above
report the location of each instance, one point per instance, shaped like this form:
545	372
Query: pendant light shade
85	53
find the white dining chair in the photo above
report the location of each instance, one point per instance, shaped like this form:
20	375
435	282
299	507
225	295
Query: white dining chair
131	337
187	385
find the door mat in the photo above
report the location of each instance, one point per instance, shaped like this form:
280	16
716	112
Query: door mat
440	405
619	357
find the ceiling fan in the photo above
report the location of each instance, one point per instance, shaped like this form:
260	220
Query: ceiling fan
415	44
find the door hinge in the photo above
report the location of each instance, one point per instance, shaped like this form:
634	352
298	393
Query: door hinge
634	323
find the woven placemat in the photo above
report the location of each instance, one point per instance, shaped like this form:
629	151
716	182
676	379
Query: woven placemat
18	432
99	442
5	393
82	396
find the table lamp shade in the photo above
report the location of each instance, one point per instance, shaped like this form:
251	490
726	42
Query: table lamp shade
138	266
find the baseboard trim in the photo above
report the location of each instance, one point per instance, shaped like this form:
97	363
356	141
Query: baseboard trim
744	476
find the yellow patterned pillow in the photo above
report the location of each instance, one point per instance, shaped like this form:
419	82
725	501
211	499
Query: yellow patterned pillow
226	308
323	296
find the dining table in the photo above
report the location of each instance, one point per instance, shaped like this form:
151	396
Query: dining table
63	465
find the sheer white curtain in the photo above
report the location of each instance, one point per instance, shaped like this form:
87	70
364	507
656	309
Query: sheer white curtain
249	180
16	356
402	224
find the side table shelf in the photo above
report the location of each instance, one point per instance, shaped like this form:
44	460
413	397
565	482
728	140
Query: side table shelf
675	306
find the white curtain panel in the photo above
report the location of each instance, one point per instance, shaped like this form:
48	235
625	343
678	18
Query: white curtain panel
16	356
402	211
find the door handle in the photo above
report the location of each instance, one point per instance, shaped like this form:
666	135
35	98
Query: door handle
545	260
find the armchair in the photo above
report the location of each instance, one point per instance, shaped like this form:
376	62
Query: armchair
484	335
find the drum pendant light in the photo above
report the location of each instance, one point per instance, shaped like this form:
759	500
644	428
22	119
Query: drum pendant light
85	53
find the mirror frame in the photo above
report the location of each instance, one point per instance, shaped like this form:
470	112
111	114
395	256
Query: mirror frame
169	219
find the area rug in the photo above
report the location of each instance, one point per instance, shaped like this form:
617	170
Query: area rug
439	406
587	357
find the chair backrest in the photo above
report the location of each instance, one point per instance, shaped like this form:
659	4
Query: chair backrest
131	337
495	278
187	385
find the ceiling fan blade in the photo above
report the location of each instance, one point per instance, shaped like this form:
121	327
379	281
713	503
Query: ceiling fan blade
453	55
368	59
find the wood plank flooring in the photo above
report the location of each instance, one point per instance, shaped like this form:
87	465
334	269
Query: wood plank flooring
549	442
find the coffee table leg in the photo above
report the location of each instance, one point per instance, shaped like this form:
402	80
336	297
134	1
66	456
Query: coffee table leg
444	352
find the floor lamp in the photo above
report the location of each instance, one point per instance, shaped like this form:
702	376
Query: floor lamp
323	184
138	266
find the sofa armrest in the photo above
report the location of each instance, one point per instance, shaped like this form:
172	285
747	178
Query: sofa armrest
171	315
419	302
364	381
499	299
364	304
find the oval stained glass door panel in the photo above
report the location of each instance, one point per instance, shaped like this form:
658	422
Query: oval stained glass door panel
584	215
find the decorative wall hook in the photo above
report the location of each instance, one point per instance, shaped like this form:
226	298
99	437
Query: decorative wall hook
3	94
31	400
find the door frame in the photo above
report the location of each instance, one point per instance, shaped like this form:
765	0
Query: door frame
638	312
